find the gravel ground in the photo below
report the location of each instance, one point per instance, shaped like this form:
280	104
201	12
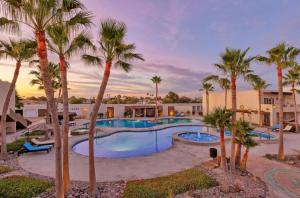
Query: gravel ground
230	186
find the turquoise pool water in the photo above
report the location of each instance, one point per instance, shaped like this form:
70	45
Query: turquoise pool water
132	144
129	123
198	137
259	134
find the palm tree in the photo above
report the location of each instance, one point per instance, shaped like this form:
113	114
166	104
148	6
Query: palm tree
39	15
115	51
156	80
234	64
223	82
53	73
55	82
282	56
20	51
207	87
244	137
291	79
259	85
221	119
64	44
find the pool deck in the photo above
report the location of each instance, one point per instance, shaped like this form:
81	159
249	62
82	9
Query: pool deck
282	180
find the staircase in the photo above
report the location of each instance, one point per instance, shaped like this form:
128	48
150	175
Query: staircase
18	118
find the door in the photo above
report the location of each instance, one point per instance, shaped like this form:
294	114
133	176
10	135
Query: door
267	119
110	112
171	111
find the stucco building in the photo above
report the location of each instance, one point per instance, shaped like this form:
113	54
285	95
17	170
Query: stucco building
248	103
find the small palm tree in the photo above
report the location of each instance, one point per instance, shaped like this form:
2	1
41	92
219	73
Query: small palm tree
244	137
221	119
291	79
19	51
64	42
234	64
114	51
259	85
55	82
223	82
282	56
207	87
54	75
156	80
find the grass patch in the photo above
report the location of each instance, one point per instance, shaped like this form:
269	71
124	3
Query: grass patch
16	145
22	187
169	186
36	133
4	169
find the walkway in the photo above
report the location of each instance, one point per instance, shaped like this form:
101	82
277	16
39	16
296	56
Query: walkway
283	180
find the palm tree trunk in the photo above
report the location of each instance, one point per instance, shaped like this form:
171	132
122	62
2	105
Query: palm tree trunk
280	99
223	150
92	175
295	105
156	108
238	154
64	89
259	108
226	98
244	160
233	100
207	102
5	109
43	59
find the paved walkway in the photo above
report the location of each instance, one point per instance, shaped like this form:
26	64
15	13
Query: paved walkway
283	180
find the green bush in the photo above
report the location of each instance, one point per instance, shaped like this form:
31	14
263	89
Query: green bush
36	133
22	187
4	169
16	145
177	183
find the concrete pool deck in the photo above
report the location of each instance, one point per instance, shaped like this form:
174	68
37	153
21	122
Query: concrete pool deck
181	156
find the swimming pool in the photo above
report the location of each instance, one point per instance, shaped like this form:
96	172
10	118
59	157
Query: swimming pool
198	137
259	134
132	144
130	123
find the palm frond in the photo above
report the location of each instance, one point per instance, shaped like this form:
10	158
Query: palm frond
91	60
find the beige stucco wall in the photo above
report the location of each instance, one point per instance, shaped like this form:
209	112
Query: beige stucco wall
4	86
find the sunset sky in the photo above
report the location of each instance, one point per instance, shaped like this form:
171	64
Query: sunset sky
180	40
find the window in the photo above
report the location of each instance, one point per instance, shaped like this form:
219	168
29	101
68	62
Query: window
268	100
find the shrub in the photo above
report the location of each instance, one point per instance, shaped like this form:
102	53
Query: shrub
36	133
177	183
22	187
16	145
4	169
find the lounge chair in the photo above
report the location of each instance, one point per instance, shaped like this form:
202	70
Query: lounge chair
276	127
38	142
29	148
288	128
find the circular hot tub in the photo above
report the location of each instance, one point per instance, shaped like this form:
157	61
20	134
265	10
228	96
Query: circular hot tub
198	138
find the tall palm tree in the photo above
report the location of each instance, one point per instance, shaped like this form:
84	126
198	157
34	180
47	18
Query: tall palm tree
259	85
291	79
221	119
19	51
223	82
65	44
234	64
114	51
282	56
156	80
207	87
38	15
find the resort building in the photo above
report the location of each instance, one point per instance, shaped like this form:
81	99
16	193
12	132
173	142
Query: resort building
118	110
248	105
10	122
